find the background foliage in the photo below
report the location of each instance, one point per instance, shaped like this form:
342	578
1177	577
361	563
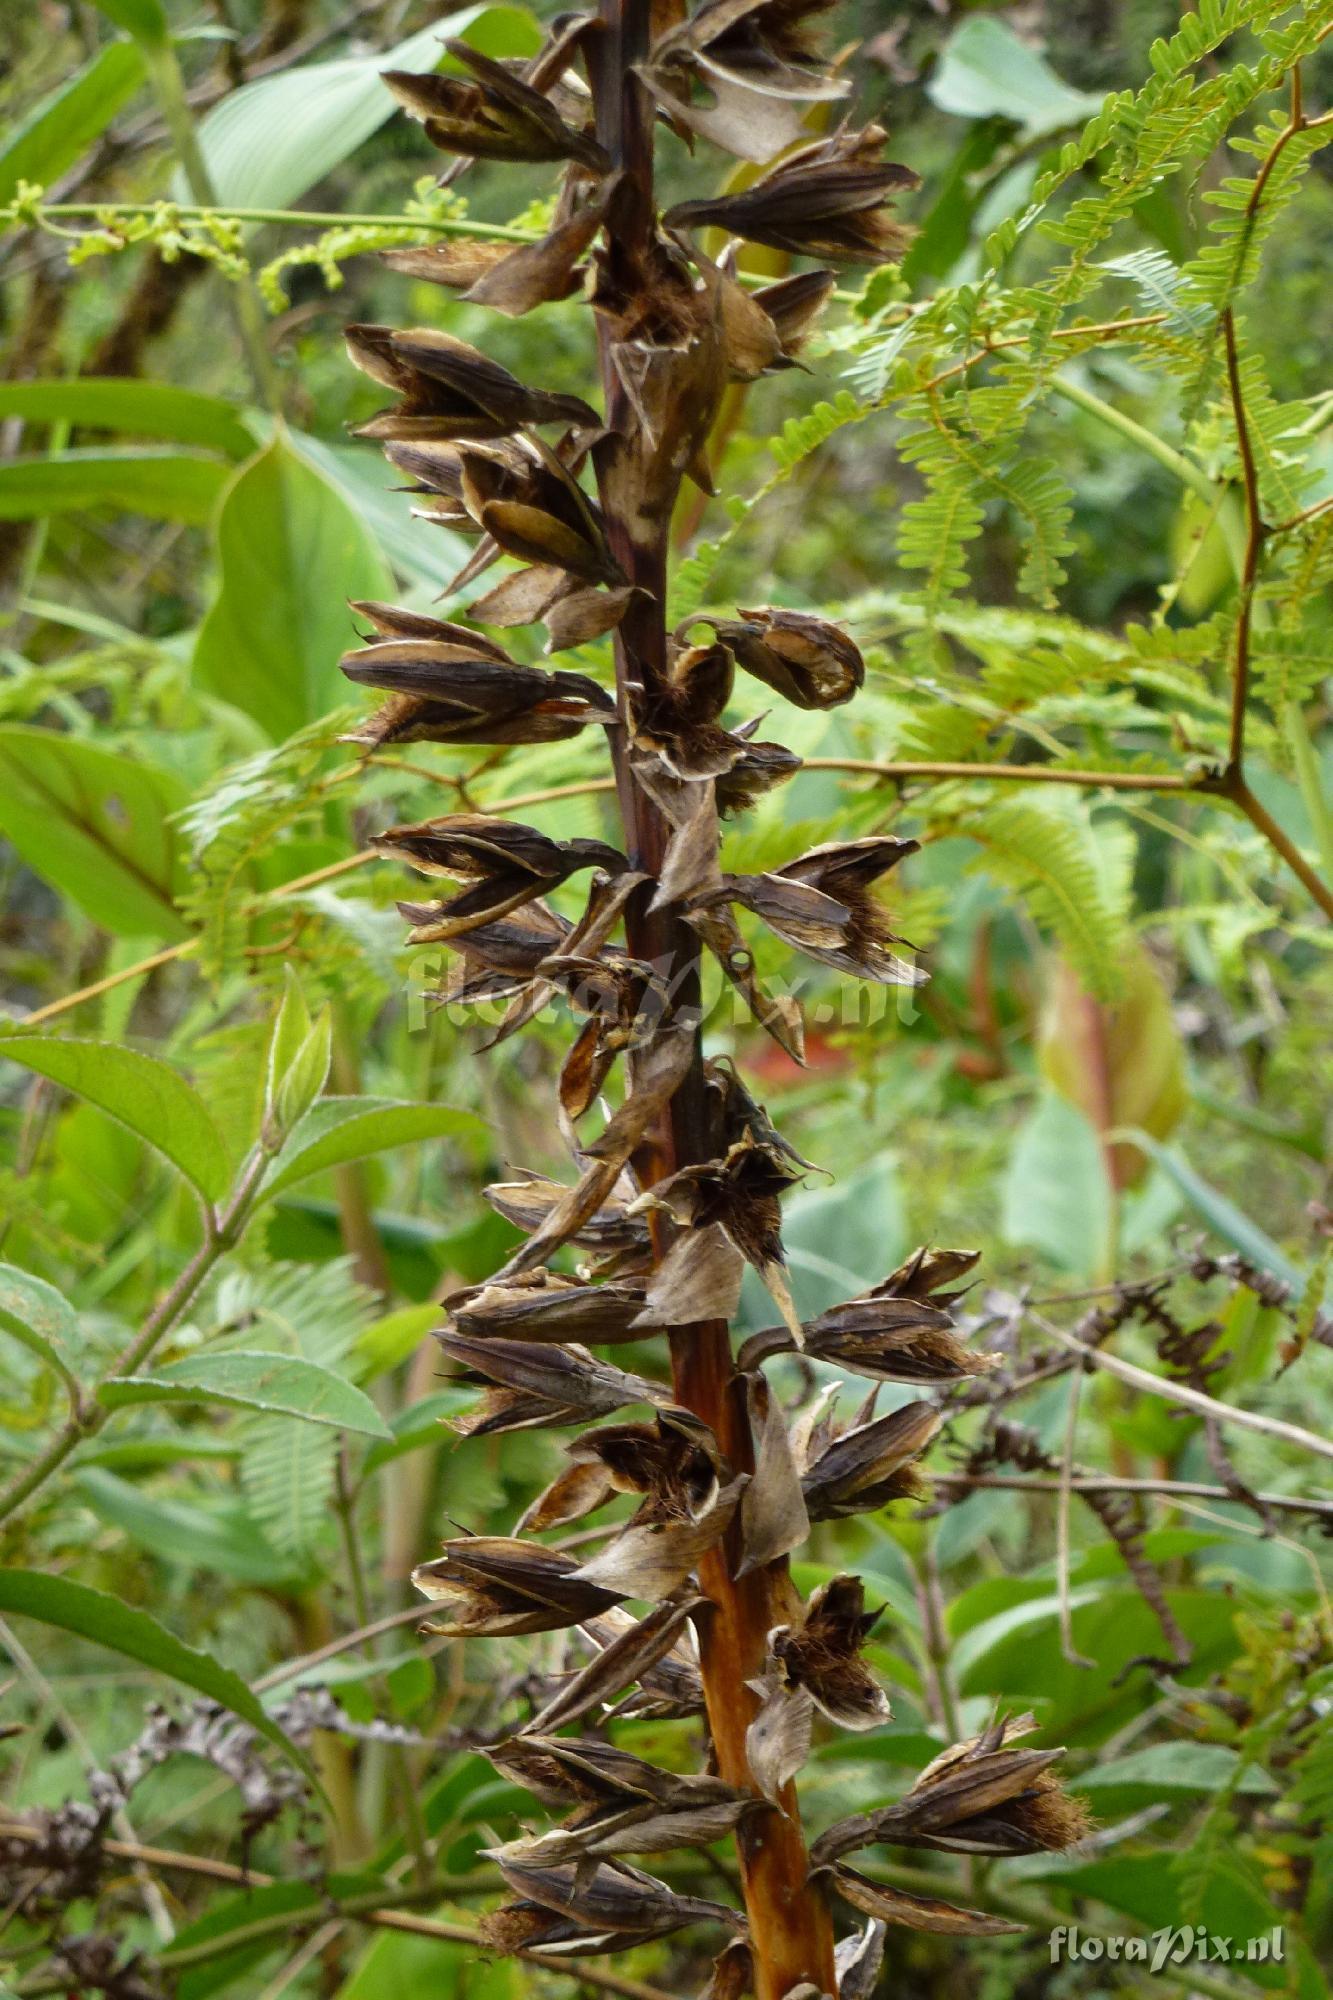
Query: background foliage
1059	474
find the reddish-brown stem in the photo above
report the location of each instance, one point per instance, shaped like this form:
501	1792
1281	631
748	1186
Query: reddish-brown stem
791	1932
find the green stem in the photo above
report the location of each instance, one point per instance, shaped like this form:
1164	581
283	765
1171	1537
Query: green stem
164	74
211	210
1182	468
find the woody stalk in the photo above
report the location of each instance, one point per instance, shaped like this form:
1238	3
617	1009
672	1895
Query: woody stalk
672	1192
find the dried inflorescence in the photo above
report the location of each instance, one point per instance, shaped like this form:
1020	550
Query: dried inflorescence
718	1483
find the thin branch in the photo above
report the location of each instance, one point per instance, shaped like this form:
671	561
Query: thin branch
1190	1399
1105	328
1255	534
1165	1489
1023	774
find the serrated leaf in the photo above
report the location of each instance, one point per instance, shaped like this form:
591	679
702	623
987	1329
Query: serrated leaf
246	1379
338	1129
41	1318
141	1092
107	1621
97	825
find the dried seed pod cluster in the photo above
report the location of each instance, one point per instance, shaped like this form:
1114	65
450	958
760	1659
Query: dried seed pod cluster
682	1184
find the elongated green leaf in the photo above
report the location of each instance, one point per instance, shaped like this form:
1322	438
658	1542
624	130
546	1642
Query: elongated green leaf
338	1129
39	1316
96	824
270	141
141	409
283	1384
217	1537
292	553
169	484
61	127
1197	1768
1221	1215
237	1913
1057	1192
146	20
139	1091
91	1614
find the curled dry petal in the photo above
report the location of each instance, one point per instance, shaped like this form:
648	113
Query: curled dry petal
493	1585
896	1332
651	1561
830	200
529	1202
623	1805
918	1913
774	1520
859	1960
742	74
777	1742
698	1279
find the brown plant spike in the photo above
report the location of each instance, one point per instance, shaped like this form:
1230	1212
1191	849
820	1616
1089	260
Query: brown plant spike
682	1185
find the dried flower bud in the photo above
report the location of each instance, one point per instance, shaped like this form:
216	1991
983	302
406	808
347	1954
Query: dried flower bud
624	1805
537	1385
829	200
822	905
820	1651
493	1586
980	1797
892	1334
919	1913
675	721
810	661
870	1463
455	686
540	1305
496	115
450	390
612	1902
504	863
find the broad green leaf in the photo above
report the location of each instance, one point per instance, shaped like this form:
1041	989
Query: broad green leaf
97	825
428	560
141	409
1217	1210
61	126
237	1913
146	20
291	552
283	1384
140	1091
420	1425
169	484
986	71
1057	1192
1197	1768
338	1129
270	141
39	1316
221	1538
106	1621
392	1339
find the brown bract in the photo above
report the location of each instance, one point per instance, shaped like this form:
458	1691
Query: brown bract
503	863
808	660
536	1384
452	685
492	1585
980	1797
743	74
493	114
829	200
820	1651
867	1465
450	390
822	904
